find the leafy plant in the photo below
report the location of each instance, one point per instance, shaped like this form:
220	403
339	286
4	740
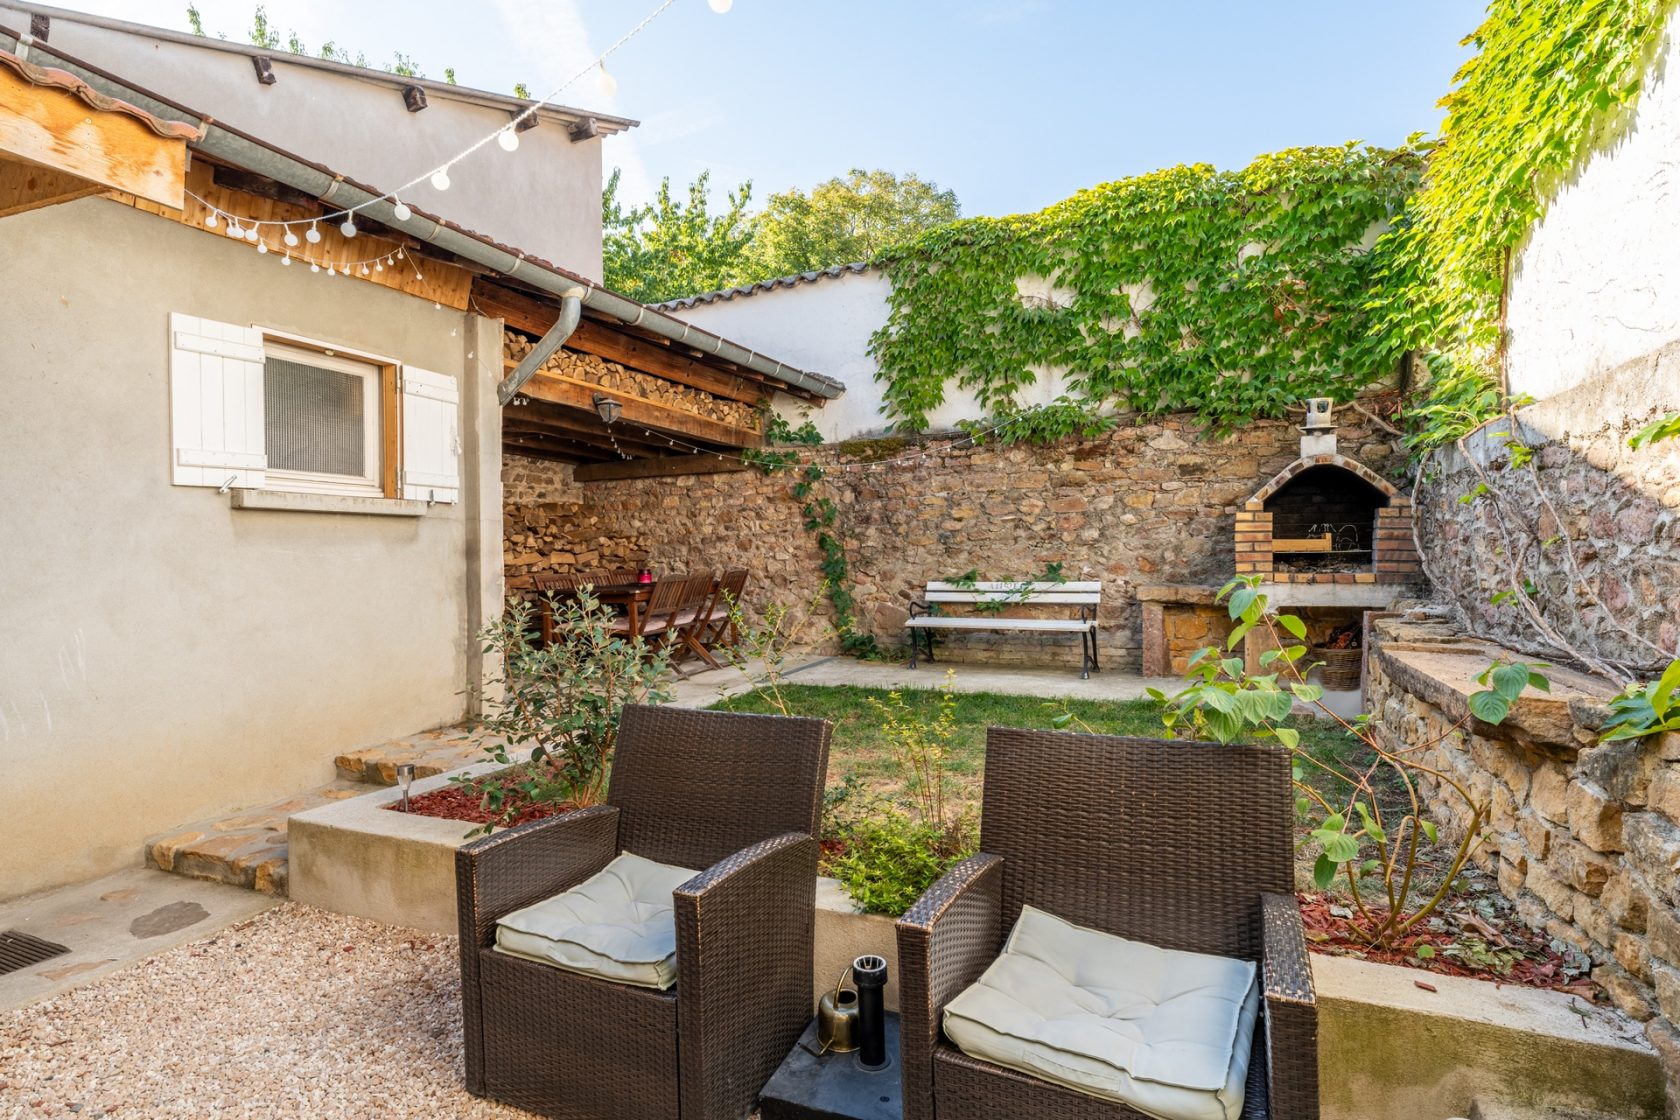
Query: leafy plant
922	749
1667	427
1020	590
765	651
889	860
1645	709
562	699
1355	838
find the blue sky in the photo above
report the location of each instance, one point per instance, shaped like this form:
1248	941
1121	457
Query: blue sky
1012	103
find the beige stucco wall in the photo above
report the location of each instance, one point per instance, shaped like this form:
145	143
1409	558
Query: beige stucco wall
544	199
163	656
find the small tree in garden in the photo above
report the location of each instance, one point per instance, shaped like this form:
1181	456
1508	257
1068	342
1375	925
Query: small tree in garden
768	650
564	700
1380	853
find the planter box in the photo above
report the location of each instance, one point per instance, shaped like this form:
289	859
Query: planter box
1390	1050
357	857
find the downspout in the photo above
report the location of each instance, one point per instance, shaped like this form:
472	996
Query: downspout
224	143
571	308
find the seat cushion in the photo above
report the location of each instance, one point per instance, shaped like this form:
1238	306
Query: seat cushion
1166	1032
616	924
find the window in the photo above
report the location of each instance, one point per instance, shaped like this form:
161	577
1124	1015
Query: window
321	421
253	410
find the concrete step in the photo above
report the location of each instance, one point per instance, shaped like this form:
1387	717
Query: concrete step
246	850
432	752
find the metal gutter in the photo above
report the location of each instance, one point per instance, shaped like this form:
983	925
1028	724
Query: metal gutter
319	182
561	114
571	309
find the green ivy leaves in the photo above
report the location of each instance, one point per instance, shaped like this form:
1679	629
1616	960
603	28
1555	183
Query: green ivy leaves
1228	293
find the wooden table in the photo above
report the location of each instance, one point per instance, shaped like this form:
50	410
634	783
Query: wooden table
630	596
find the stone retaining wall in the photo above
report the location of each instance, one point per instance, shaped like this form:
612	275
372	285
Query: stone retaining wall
1583	838
1149	502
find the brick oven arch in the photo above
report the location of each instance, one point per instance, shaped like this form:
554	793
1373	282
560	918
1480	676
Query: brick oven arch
1332	459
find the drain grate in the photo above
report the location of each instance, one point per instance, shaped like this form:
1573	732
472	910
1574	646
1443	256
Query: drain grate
20	950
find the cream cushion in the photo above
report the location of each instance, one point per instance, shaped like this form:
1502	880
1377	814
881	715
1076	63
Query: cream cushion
617	925
1166	1032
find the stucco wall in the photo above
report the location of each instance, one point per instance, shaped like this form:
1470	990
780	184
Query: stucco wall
163	656
825	326
545	198
1598	283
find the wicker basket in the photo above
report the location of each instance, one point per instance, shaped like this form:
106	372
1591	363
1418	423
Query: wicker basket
1341	667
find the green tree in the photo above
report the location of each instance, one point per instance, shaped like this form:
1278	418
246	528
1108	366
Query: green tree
672	247
845	219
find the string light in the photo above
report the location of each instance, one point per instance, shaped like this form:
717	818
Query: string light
401	212
348	229
607	83
504	136
312	235
720	6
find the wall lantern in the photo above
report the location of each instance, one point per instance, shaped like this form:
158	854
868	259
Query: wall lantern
607	408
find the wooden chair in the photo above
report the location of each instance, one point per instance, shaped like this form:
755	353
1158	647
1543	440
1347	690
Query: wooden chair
552	585
657	616
698	598
579	1047
1182	845
719	620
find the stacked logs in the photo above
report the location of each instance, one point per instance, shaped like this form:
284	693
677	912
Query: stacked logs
611	376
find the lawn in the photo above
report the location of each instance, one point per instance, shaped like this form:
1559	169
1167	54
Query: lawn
861	752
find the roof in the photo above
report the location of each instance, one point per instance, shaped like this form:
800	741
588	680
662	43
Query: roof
48	78
793	281
555	113
337	190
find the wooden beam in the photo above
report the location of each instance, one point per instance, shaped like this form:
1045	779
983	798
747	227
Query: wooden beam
663	467
525	420
581	395
55	128
27	186
549	448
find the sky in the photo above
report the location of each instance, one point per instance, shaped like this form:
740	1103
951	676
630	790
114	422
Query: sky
1014	104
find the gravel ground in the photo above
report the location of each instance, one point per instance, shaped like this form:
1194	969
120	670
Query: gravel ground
296	1013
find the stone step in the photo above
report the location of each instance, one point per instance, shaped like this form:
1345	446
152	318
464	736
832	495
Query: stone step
432	752
246	850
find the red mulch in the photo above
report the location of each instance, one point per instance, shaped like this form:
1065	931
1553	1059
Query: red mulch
1508	951
462	803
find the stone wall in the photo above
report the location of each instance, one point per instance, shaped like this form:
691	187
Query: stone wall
1594	524
1583	838
1148	503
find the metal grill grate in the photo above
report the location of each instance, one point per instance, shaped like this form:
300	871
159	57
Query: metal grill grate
20	950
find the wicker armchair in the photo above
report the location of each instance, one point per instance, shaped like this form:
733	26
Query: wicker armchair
738	795
1183	845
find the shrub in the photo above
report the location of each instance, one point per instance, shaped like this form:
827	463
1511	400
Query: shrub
563	699
889	860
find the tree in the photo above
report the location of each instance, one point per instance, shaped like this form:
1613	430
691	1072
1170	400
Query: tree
844	220
670	248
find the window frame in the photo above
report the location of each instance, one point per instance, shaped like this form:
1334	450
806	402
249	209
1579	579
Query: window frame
382	422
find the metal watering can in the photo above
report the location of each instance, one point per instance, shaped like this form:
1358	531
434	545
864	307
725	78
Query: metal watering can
837	1017
854	1018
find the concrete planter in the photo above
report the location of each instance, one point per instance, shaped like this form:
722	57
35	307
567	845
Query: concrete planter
357	857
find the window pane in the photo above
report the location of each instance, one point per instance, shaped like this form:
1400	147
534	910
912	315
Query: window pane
314	419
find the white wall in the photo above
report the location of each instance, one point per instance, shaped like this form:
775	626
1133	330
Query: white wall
824	326
544	198
165	657
1598	283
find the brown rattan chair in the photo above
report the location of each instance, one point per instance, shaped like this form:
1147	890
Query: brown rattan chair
738	795
1182	845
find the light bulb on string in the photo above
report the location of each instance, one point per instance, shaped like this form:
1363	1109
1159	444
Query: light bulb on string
312	235
233	229
210	220
348	229
262	246
720	6
508	139
607	83
313	267
401	212
286	260
250	233
440	178
290	239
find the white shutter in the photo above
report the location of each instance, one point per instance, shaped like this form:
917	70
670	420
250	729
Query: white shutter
216	403
431	443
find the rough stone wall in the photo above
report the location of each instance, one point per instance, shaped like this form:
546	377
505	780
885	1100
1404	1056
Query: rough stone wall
1594	524
1584	838
1147	503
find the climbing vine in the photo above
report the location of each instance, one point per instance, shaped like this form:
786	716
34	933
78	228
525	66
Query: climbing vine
1551	81
821	517
1232	294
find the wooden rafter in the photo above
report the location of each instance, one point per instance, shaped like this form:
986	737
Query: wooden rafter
663	466
545	419
673	421
27	186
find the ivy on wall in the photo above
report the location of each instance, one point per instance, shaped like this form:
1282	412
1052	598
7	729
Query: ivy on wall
1551	81
1232	294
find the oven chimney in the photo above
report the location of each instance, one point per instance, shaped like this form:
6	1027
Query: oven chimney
1318	434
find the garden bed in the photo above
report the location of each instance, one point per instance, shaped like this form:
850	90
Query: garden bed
466	802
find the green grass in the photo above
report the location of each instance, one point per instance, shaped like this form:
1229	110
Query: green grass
861	751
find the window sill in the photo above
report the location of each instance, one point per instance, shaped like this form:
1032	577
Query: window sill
287	501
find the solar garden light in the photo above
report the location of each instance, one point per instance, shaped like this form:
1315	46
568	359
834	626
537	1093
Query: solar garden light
405	778
869	973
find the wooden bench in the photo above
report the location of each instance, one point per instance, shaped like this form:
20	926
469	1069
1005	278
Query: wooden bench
1085	596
